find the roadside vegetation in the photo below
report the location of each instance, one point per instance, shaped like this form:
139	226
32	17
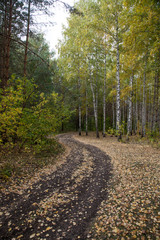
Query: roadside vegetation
105	79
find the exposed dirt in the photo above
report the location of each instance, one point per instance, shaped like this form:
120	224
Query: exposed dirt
62	202
131	210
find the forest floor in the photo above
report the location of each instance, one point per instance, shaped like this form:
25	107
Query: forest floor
131	210
99	189
59	202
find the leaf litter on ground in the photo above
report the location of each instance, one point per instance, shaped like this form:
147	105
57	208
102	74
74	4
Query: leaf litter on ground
131	210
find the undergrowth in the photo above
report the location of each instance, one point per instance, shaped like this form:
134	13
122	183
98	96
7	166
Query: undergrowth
17	165
151	138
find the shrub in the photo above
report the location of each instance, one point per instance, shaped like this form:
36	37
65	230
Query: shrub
26	116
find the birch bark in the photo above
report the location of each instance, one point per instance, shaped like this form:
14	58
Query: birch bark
157	101
155	104
150	108
129	124
104	100
95	102
86	111
79	105
113	112
144	103
118	113
97	132
136	121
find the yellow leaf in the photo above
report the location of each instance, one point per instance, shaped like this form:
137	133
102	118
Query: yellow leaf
48	228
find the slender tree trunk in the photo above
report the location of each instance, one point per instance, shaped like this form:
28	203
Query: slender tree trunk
113	112
95	101
140	103
150	108
97	132
86	111
79	110
124	110
157	101
6	42
63	100
136	120
144	102
136	110
27	37
1	60
118	109
154	104
9	41
123	113
3	45
159	114
155	107
129	123
104	100
95	110
79	105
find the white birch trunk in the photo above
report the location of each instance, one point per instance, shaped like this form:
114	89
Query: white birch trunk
136	111
123	114
155	103
95	102
129	123
144	103
97	132
136	123
118	113
150	108
104	101
79	105
113	111
86	111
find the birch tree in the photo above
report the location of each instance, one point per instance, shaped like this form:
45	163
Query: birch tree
129	124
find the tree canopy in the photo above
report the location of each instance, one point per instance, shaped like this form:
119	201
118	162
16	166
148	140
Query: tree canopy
106	77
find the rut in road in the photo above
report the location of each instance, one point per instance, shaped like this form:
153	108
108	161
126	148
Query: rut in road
61	205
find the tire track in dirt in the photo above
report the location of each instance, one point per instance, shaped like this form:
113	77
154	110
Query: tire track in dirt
62	204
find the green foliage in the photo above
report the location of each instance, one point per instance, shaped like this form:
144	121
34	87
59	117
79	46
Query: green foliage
153	136
16	97
122	128
6	171
111	131
118	132
27	117
43	71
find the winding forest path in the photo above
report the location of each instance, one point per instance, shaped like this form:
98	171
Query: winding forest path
60	205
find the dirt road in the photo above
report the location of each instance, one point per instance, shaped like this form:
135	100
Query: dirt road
60	205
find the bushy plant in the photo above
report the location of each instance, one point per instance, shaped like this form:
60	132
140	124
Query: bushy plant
121	129
111	131
26	116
